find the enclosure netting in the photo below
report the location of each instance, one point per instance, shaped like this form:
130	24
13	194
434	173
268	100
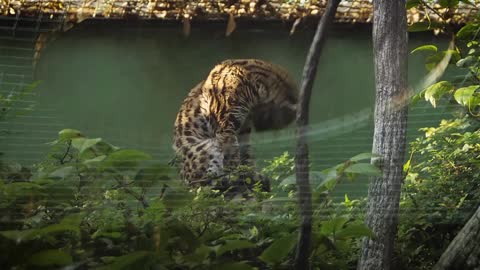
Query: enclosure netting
27	27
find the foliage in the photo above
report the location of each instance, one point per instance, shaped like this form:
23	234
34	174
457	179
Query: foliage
13	105
463	55
90	204
441	190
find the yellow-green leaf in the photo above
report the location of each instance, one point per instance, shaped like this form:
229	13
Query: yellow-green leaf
464	94
431	48
434	92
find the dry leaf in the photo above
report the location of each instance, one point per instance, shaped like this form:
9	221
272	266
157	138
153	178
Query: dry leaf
231	25
294	26
40	44
186	26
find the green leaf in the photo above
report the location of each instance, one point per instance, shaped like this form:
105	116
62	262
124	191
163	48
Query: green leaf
82	144
326	184
463	95
125	159
50	257
363	156
467	61
112	235
176	195
316	178
354	230
279	249
153	173
330	227
62	172
138	259
94	162
433	60
431	48
406	166
423	26
436	91
474	101
468	31
234	245
68	134
15	235
289	180
412	3
364	168
68	224
448	3
234	266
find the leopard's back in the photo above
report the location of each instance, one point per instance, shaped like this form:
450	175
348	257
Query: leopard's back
268	90
236	96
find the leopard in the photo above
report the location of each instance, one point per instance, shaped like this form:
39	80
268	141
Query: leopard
213	126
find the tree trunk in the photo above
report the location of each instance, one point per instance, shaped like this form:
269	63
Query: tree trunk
390	56
463	253
301	160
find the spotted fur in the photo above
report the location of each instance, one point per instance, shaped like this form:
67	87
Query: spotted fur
215	120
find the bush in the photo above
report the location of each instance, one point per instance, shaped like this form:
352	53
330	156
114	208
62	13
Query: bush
441	190
90	204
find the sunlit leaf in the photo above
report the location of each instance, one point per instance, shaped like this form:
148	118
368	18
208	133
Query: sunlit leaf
406	166
68	134
430	48
464	94
434	92
82	144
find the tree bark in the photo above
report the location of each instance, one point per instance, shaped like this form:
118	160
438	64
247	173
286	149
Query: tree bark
301	161
463	253
390	56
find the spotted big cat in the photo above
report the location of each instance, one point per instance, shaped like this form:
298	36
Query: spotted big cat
215	120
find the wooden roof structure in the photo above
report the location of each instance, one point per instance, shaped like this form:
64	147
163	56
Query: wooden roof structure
349	11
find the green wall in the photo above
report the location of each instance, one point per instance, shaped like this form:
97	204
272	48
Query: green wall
125	84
